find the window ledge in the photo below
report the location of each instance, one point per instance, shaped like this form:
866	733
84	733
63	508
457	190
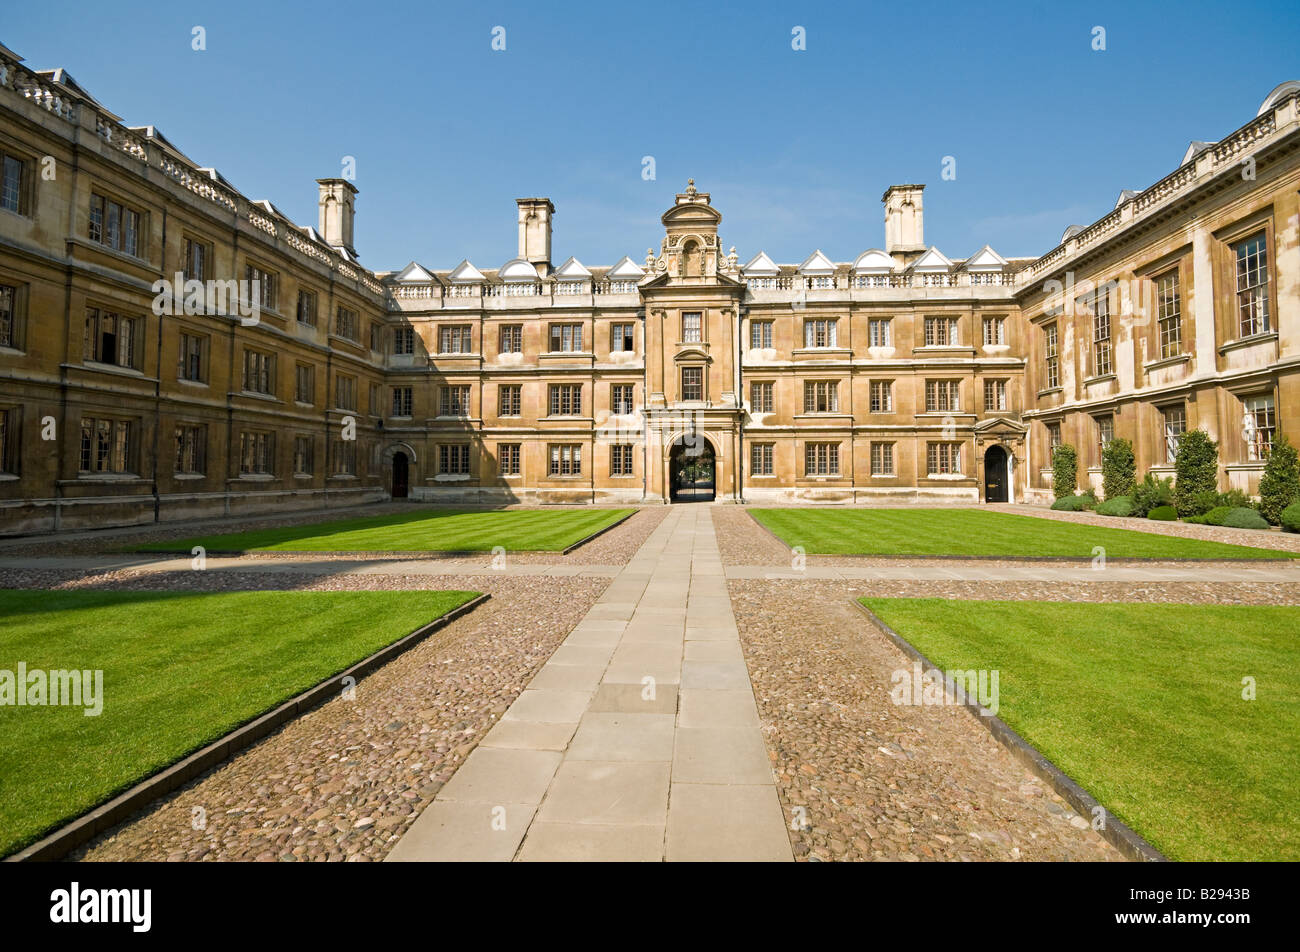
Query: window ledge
1249	466
12	351
1166	362
256	477
189	476
1251	341
114	369
1049	391
269	398
452	477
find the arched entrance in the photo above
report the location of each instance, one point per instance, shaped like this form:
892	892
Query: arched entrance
401	475
692	470
995	474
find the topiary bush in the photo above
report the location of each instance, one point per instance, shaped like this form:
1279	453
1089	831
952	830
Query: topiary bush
1116	506
1196	470
1150	493
1242	517
1118	469
1065	470
1163	513
1072	503
1289	518
1279	487
1213	517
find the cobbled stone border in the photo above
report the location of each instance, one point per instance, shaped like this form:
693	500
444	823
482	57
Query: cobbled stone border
1117	833
103	817
1117	560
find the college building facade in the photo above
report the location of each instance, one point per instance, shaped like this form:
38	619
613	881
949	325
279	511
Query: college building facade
170	349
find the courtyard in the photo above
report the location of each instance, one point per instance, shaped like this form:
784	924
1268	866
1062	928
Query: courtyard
683	683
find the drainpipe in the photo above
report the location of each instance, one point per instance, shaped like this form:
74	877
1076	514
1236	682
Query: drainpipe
741	313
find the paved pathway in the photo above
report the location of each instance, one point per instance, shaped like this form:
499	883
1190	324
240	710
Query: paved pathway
638	740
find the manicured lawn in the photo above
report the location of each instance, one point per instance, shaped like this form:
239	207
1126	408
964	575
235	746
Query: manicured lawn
1142	705
427	530
179	671
979	532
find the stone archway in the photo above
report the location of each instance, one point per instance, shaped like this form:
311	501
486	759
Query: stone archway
692	470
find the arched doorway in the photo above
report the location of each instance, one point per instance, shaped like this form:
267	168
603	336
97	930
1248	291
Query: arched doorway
692	470
401	475
995	475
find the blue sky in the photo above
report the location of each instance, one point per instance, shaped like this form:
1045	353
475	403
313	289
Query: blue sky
796	147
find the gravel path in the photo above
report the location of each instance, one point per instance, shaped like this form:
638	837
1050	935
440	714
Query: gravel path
880	781
344	781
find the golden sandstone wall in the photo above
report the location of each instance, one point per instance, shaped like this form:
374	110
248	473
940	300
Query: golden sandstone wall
286	375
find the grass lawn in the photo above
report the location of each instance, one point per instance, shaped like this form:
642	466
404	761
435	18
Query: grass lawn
179	671
979	532
426	530
1142	705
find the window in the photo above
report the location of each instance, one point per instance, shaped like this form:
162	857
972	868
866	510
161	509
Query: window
376	337
1169	314
943	459
304	383
1101	349
566	338
760	334
107	446
197	256
882	459
110	338
375	391
402	401
13	184
509	399
565	459
508	459
821	459
262	286
620	398
404	340
995	331
622	338
1259	426
455	339
191	449
819	333
453	459
345	392
307	308
193	349
256	453
760	396
821	396
1105	433
995	395
879	332
114	225
259	372
881	394
566	399
941	332
942	396
8	441
1252	285
512	339
345	458
1175	425
692	383
1051	361
454	400
8	316
1053	438
620	459
760	459
346	324
303	452
692	330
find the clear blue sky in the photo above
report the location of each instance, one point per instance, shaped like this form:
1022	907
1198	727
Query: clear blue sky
795	147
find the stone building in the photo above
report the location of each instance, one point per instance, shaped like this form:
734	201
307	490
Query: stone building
171	349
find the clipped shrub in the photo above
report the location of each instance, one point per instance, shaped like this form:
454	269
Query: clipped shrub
1163	513
1289	518
1116	506
1243	517
1279	487
1065	470
1237	499
1071	504
1213	517
1150	493
1118	469
1196	470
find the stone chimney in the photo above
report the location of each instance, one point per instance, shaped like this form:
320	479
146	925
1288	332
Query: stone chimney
337	208
904	224
535	232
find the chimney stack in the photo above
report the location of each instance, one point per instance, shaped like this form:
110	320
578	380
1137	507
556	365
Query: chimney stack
904	224
535	232
337	208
